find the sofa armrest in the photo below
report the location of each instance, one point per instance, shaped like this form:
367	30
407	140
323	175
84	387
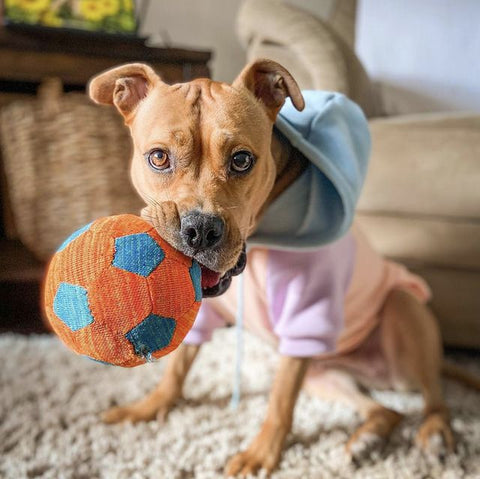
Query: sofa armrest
307	46
424	164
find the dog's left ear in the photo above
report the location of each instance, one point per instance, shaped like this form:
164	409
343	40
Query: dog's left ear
124	86
271	84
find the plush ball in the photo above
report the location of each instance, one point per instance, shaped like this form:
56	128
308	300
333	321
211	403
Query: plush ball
116	292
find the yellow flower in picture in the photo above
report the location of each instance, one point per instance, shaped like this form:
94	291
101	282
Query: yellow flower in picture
51	19
90	10
110	7
96	10
33	6
128	5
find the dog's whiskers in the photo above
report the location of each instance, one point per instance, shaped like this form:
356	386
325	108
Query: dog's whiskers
151	200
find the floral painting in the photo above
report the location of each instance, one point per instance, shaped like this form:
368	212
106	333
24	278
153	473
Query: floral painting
115	16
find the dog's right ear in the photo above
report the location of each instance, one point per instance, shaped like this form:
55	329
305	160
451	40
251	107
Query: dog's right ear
271	84
124	86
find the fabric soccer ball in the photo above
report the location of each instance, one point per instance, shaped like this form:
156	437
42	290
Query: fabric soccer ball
116	292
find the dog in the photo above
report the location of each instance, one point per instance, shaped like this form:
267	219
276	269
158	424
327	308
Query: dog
208	162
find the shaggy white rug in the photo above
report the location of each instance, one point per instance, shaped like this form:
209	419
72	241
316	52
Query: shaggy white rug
49	426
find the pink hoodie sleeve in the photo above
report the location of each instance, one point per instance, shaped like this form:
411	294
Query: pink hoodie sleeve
305	293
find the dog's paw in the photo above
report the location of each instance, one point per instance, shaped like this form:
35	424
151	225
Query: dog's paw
128	413
363	445
372	435
251	462
263	453
435	436
139	411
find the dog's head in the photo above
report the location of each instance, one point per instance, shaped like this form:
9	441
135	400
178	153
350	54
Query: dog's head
202	157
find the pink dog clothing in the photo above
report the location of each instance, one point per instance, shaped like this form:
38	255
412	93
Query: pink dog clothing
312	303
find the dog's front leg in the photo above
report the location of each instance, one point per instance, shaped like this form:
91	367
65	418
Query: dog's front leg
266	449
160	401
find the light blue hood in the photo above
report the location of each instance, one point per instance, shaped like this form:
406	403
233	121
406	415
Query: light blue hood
319	206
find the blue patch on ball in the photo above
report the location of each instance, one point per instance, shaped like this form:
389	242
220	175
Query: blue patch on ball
97	360
196	276
152	334
71	306
137	253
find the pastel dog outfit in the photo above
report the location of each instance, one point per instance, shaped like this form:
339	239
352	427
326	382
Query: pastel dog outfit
313	285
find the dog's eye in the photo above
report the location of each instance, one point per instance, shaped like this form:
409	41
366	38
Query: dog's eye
158	160
242	162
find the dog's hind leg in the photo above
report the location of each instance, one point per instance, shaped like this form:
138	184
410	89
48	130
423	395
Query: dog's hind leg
378	421
412	346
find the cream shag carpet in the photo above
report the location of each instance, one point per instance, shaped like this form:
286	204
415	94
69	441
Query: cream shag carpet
49	426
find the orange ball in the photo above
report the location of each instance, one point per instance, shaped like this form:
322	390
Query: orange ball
116	292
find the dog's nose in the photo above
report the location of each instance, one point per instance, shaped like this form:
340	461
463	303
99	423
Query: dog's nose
201	231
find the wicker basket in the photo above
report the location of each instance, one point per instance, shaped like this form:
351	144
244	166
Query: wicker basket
66	163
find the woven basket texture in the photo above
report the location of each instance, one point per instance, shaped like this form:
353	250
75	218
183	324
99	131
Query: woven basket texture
66	163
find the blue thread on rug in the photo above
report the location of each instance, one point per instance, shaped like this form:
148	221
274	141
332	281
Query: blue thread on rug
237	380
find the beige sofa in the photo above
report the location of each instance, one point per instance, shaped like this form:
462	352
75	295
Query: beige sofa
421	201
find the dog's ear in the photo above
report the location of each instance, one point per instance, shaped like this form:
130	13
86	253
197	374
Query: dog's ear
124	86
271	84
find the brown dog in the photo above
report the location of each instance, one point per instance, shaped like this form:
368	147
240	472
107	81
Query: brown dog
207	165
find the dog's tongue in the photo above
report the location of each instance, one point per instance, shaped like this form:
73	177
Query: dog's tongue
209	278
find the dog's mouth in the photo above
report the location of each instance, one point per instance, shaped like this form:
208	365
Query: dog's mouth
215	284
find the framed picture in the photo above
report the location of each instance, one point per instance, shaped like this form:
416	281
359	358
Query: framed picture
111	16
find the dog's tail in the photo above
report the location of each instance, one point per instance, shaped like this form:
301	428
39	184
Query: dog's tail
452	371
